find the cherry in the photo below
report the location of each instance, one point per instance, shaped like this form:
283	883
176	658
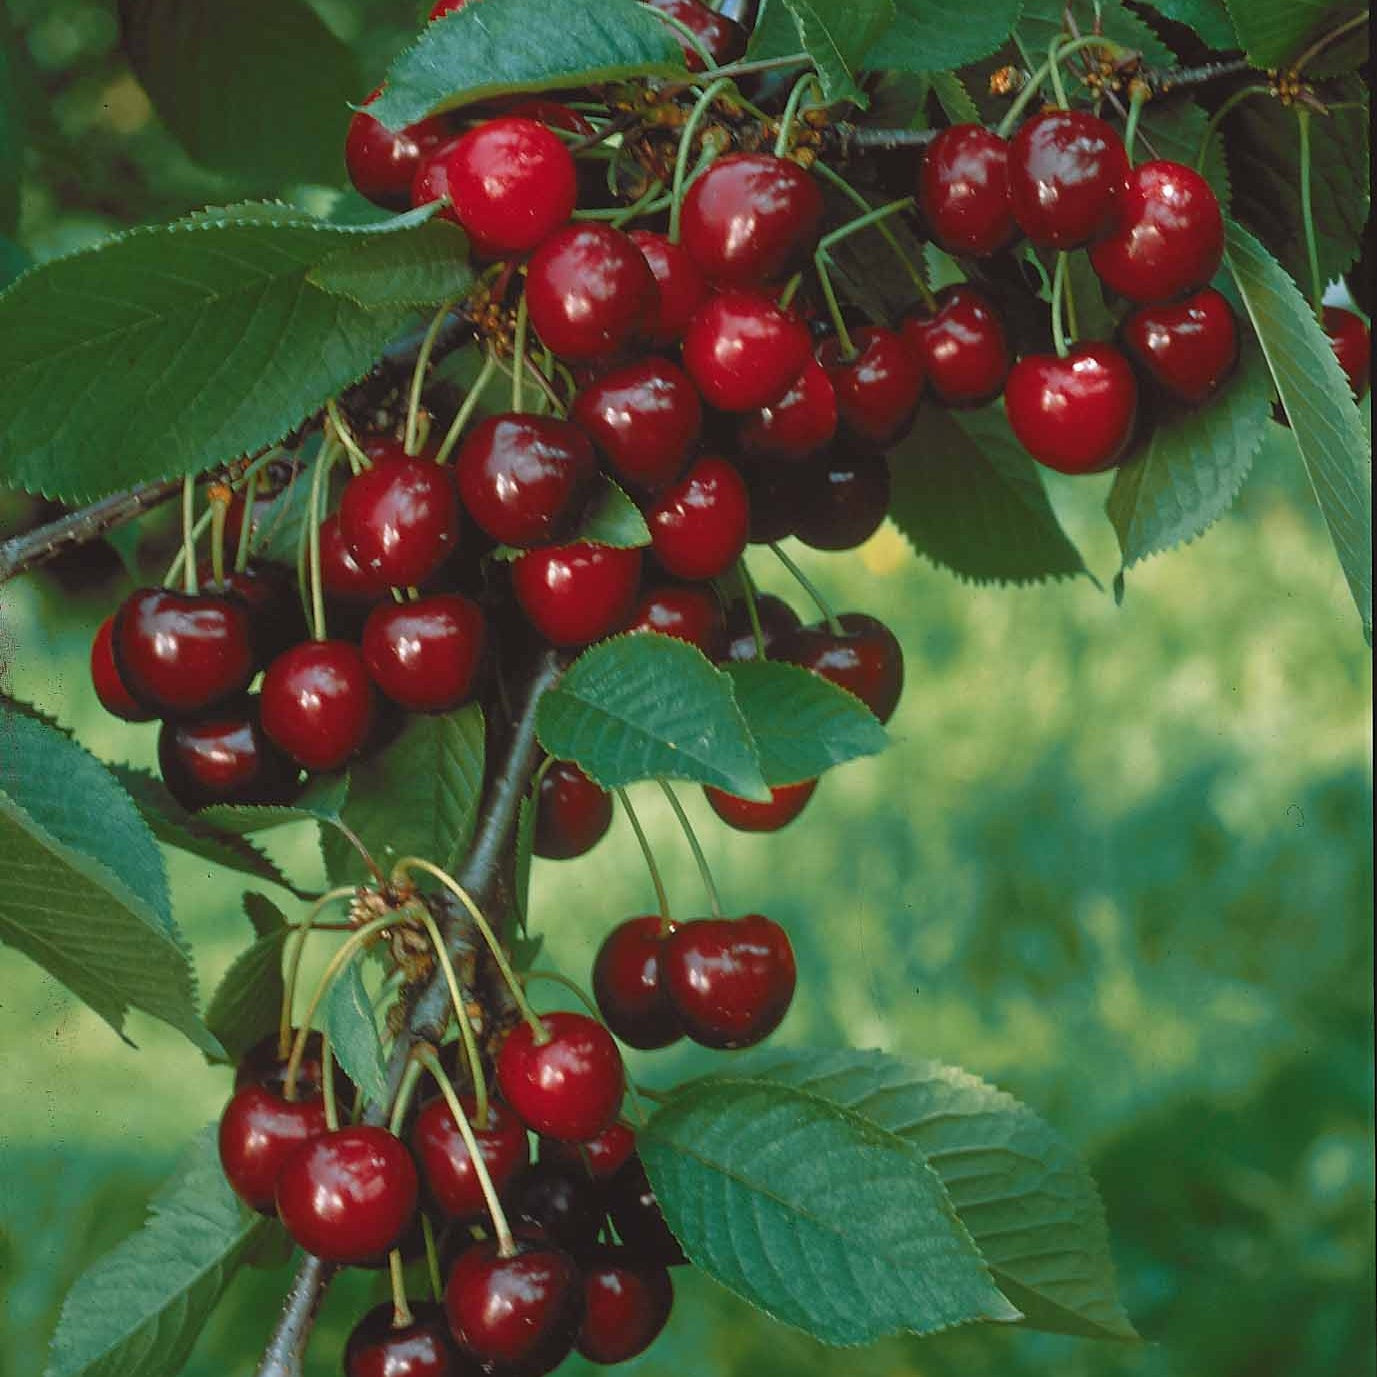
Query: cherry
400	519
110	688
751	218
317	703
699	527
640	1222
510	182
682	287
425	654
1188	349
572	813
264	1065
962	346
799	424
259	1131
567	1086
1352	346
1067	170
878	387
626	1305
377	1347
685	611
730	980
864	658
446	1164
777	622
743	351
526	479
223	758
269	592
841	499
771	491
1167	236
963	191
549	113
382	162
1075	414
341	575
444	7
554	1201
723	39
576	594
787	801
644	418
627	985
348	1195
601	1157
522	1311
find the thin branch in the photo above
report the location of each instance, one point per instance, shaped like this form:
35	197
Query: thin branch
287	1348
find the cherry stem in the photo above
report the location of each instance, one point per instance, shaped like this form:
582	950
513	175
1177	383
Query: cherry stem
1220	115
519	354
406	1091
1324	41
293	965
410	439
764	64
466	410
752	608
437	1285
220	499
790	291
179	562
1312	248
1060	295
644	842
401	1311
809	587
682	155
1054	70
786	121
358	460
577	990
829	295
325	461
327	1083
189	581
699	858
250	491
1138	99
1057	54
689	37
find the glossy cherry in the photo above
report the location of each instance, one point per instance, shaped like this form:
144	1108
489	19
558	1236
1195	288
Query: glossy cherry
264	1064
223	758
400	519
878	386
110	688
1352	343
377	1347
576	594
555	1201
601	1157
1187	348
1167	236
864	658
640	1222
699	527
799	424
424	655
1076	414
341	575
1067	170
269	592
567	1086
382	162
777	622
626	1303
317	703
772	489
962	345
787	801
627	985
259	1131
682	288
840	500
743	351
447	1167
572	813
685	611
723	39
510	182
963	191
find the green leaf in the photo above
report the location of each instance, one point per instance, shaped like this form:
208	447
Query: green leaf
815	1215
248	1000
1042	20
138	1311
258	89
837	38
322	800
13	261
84	889
1323	415
347	1020
1209	18
616	521
955	100
647	706
1193	464
429	265
802	724
966	495
1174	129
212	325
1024	1195
419	797
937	35
1275	31
11	151
524	45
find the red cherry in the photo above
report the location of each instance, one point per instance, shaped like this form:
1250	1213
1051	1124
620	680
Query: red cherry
425	655
549	113
799	424
556	1202
114	695
963	191
787	801
878	387
269	593
444	7
640	1222
841	499
602	1157
589	289
682	287
1167	236
743	351
400	519
377	1347
722	38
684	611
777	621
341	575
1067	170
644	418
771	490
259	1130
865	659
526	479
510	182
576	594
751	218
317	703
699	527
181	654
962	346
349	1195
572	813
223	758
1075	414
730	980
382	162
264	1065
627	986
1352	343
626	1305
445	1161
1188	349
568	1086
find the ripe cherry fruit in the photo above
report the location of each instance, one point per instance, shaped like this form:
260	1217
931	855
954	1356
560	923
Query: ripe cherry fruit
787	801
777	622
425	655
400	518
378	1347
576	594
269	593
555	1202
383	162
317	703
632	1204
682	288
601	1157
963	191
1352	343
862	656
700	526
110	688
259	1131
341	575
744	351
1067	170
627	985
223	758
572	813
962	345
686	611
565	1082
723	39
446	1164
799	424
878	386
1188	348
840	500
626	1303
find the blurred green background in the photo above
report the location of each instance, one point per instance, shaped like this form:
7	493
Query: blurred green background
1117	860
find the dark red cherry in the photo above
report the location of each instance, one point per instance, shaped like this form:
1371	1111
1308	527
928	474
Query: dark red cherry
110	688
1167	236
1188	348
446	1165
520	1312
644	418
555	1202
751	218
341	575
572	814
681	284
639	1220
799	424
878	387
510	182
601	1157
400	519
317	703
962	345
865	659
627	986
259	1131
771	490
626	1303
264	1065
526	479
180	654
723	39
685	611
777	621
576	594
223	758
269	592
1352	343
349	1195
963	191
743	351
787	801
377	1347
840	500
699	527
567	1086
589	290
1067	170
382	162
425	654
1075	414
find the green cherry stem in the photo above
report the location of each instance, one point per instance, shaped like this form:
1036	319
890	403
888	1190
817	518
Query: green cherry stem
829	295
410	440
396	1271
466	410
523	318
1057	54
1223	113
189	581
327	1083
809	587
681	157
1312	248
1054	70
220	499
700	860
1059	295
437	1285
241	552
293	963
644	843
325	461
174	571
358	460
1141	93
784	139
689	37
574	988
748	591
405	1093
